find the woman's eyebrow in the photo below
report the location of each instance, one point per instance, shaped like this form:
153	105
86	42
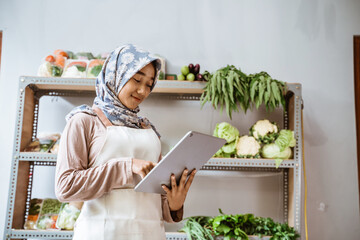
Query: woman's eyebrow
141	73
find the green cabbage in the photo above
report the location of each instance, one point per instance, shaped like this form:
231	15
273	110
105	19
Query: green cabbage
273	151
229	148
285	139
226	131
67	217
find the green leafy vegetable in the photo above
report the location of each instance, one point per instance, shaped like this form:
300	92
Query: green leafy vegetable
237	227
80	68
67	216
229	88
197	228
230	134
285	139
273	151
226	131
229	148
96	70
56	71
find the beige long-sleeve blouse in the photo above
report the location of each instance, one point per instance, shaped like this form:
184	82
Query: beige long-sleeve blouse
77	179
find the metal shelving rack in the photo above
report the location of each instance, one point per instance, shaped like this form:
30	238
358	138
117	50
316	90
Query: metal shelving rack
31	89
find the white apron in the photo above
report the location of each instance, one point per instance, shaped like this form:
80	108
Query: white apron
124	214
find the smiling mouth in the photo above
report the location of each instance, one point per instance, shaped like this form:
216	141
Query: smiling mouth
137	99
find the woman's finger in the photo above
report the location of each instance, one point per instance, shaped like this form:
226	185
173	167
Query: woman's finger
183	178
142	174
189	181
173	182
166	189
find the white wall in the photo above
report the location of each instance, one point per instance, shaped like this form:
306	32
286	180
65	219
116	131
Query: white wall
308	41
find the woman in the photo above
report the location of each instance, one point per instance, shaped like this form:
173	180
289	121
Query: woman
106	149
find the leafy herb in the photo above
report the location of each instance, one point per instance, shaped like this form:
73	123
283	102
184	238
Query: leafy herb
50	206
80	68
56	71
96	70
237	227
197	227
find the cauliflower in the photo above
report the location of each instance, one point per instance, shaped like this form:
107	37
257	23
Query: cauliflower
264	131
247	147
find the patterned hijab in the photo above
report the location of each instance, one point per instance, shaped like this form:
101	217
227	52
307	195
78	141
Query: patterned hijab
121	65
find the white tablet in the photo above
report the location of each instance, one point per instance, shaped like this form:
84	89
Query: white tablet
191	152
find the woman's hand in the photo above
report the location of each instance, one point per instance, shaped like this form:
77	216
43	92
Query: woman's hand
177	194
142	167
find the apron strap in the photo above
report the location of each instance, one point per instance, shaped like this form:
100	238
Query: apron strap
102	116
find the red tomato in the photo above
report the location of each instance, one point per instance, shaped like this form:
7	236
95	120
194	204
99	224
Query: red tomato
50	58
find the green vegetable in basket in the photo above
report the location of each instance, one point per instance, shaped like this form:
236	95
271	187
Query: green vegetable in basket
197	228
273	151
56	71
226	131
80	68
50	206
96	70
281	148
227	87
67	216
285	139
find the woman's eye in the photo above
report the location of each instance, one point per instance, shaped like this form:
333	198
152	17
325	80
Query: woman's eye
149	86
136	80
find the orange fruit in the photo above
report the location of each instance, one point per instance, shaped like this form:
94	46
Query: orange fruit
60	61
50	58
60	52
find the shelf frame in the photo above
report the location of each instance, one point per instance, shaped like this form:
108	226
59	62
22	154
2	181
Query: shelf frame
31	89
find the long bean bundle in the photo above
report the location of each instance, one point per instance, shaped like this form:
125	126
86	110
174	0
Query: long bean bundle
229	88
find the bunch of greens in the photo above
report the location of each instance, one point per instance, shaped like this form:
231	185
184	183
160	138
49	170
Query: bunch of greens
197	228
237	227
264	89
56	71
50	206
227	87
231	135
232	226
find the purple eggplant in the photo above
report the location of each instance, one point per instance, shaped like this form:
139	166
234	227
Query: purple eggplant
191	68
199	77
196	69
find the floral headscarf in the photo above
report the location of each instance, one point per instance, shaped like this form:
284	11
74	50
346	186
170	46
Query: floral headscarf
121	65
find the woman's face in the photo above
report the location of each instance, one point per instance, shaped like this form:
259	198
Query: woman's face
138	87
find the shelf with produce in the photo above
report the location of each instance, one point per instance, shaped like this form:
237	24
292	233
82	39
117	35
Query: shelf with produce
247	162
213	162
88	84
56	234
31	89
37	157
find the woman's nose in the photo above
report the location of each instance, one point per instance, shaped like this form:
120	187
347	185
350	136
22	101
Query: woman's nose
141	90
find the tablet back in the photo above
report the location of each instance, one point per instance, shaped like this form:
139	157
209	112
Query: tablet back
191	152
